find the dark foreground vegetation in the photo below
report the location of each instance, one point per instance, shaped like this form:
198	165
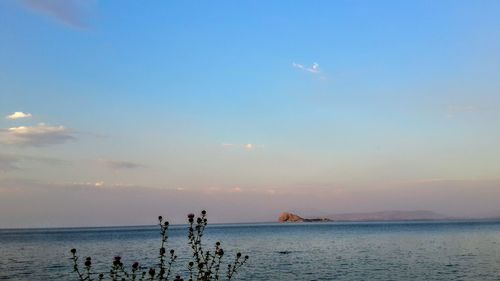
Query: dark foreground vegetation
204	264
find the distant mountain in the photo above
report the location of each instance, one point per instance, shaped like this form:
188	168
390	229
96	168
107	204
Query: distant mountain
491	215
374	216
388	216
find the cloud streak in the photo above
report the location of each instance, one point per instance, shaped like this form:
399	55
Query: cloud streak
11	162
39	135
18	115
314	68
69	12
120	165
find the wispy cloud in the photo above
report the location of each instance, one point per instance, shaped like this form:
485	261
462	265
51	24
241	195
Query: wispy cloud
39	135
87	184
454	110
10	162
70	12
235	189
314	68
119	165
18	115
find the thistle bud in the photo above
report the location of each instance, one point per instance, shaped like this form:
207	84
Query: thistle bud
151	272
135	265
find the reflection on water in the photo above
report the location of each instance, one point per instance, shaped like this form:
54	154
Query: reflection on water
468	250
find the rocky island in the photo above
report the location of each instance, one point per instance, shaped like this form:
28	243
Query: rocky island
289	217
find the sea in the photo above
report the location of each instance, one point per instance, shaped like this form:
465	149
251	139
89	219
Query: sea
410	250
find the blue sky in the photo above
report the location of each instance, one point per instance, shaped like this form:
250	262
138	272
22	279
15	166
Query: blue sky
251	99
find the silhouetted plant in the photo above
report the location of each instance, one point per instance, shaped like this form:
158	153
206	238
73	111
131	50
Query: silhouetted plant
204	265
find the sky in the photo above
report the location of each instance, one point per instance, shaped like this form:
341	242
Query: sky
115	112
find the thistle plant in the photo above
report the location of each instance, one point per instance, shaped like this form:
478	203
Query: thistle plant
204	265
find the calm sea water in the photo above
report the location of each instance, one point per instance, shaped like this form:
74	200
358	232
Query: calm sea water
468	250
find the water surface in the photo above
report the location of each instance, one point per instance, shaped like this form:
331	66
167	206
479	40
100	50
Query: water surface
465	250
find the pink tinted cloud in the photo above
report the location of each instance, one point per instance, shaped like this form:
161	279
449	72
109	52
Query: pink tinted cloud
34	204
70	12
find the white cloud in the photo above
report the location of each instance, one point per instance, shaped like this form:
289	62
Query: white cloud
248	146
18	115
315	69
39	135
